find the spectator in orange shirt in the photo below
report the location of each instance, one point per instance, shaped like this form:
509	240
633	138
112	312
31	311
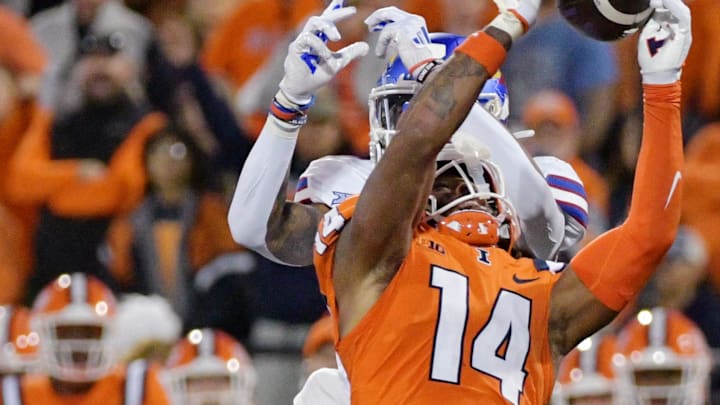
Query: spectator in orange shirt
701	73
239	46
555	120
701	198
22	61
239	51
85	168
20	51
457	16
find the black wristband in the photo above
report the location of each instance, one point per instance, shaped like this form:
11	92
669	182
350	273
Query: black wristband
425	70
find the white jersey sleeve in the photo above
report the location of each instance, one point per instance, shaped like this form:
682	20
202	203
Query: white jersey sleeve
541	222
332	179
261	179
569	193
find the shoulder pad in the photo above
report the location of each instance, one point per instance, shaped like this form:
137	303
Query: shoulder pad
332	179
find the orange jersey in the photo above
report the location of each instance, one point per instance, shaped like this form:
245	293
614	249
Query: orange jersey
456	325
123	386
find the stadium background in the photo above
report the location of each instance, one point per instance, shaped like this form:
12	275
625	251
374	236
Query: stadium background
210	67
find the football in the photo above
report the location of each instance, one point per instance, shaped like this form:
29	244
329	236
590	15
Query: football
606	20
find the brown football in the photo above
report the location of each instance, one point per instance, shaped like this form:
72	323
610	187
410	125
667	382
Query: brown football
606	20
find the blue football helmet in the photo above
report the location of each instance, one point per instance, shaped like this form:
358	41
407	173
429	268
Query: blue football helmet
396	87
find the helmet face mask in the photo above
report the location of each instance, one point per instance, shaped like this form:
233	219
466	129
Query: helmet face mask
386	103
76	345
482	215
209	380
676	381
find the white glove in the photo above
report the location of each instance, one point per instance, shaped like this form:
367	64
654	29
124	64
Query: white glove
516	16
665	42
401	34
310	64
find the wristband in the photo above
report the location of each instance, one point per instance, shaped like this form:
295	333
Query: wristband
426	69
285	110
485	50
511	22
419	65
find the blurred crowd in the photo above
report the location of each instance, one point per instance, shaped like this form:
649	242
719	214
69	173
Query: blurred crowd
123	126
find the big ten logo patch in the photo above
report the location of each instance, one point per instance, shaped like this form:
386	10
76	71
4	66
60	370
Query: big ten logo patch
431	244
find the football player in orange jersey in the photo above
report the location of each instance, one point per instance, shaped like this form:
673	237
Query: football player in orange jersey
209	367
73	317
586	375
666	360
429	306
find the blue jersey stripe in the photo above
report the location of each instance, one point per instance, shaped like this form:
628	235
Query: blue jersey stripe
302	184
574	211
564	183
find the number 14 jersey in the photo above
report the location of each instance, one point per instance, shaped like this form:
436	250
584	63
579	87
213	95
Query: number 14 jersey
456	325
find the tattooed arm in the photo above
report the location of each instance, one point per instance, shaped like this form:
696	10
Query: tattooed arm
291	229
378	237
260	218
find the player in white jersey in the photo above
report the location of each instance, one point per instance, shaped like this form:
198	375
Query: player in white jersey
260	218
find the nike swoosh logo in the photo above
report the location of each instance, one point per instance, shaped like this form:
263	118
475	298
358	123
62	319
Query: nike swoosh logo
523	280
676	181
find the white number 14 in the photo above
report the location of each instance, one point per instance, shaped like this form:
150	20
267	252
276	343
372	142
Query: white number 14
508	327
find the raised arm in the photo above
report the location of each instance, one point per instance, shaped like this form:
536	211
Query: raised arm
610	271
395	195
260	218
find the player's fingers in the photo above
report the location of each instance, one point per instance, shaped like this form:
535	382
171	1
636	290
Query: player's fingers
383	16
346	55
339	13
321	25
504	5
333	5
310	43
384	41
680	11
